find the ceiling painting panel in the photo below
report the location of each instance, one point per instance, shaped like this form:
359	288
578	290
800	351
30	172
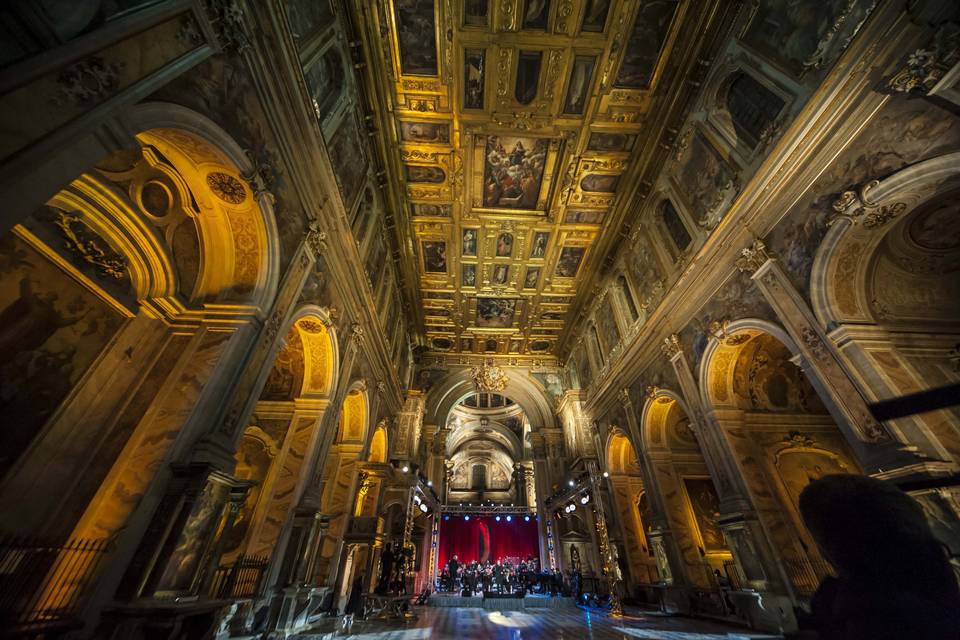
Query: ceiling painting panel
517	127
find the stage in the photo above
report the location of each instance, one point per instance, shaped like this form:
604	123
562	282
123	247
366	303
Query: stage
501	603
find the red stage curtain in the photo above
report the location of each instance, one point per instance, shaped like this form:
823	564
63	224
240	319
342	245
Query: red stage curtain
483	538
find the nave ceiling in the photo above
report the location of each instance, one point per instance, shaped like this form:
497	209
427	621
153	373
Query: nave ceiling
520	132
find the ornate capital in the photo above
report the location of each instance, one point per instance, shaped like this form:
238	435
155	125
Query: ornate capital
857	206
652	391
227	18
671	346
753	257
316	239
356	334
925	68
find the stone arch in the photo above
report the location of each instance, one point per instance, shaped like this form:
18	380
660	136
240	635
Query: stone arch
662	411
114	242
454	388
885	281
717	366
686	486
780	433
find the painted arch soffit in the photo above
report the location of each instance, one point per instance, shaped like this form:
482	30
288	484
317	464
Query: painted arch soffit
514	128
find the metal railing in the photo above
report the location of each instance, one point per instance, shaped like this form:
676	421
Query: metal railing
242	579
43	584
806	575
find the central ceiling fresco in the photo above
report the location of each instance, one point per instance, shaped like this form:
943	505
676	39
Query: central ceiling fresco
517	126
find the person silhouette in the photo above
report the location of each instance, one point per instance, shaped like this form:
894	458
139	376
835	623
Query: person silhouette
893	576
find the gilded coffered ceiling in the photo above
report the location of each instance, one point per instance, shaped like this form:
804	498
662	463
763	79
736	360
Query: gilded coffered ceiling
517	128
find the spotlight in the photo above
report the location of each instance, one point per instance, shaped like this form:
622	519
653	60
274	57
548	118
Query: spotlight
571	482
466	517
405	468
446	517
585	499
417	499
526	518
497	518
429	483
423	507
509	518
606	474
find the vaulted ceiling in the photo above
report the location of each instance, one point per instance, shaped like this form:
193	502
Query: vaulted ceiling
518	133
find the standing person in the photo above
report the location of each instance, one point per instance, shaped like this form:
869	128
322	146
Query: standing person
386	569
893	577
453	566
354	605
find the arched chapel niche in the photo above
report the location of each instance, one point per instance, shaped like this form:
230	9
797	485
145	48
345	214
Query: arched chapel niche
628	491
689	495
127	283
342	476
782	435
885	279
286	419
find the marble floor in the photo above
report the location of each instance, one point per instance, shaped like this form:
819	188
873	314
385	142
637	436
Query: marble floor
553	624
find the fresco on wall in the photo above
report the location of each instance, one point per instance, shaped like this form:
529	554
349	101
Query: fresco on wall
528	76
325	82
51	331
609	333
424	174
475	13
552	382
579	88
569	262
706	512
645	268
466	344
643	49
434	257
416	35
253	463
599	183
500	274
441	344
595	17
473	69
469	242
378	255
307	17
535	13
806	34
351	169
286	376
495	312
428	132
753	108
708	181
490	346
799	468
610	142
903	133
221	89
432	210
184	563
513	171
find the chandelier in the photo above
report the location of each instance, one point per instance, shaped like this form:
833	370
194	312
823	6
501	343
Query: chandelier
489	377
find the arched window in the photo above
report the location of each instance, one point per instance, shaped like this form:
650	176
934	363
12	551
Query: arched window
675	226
479	477
325	81
627	297
752	106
